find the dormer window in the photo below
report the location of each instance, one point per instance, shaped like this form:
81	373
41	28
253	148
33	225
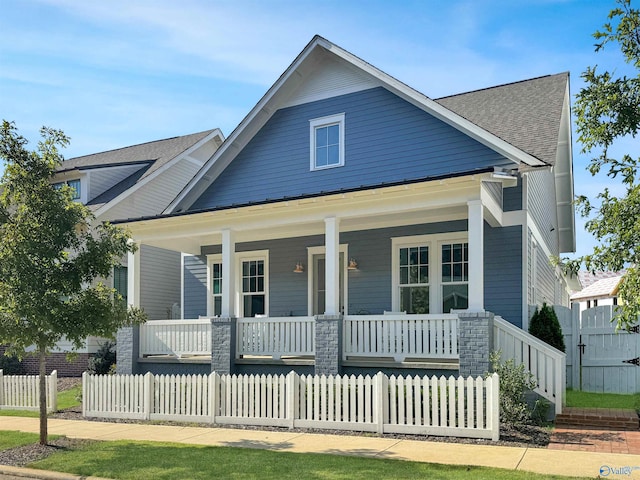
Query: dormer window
75	184
327	142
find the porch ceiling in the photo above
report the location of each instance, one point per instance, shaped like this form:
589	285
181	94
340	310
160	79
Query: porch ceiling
390	206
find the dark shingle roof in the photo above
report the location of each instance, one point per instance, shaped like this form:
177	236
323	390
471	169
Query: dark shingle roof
159	152
525	114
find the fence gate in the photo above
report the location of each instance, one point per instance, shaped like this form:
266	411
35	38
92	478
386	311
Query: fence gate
610	358
603	360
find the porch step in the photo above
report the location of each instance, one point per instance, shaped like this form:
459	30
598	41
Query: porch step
610	418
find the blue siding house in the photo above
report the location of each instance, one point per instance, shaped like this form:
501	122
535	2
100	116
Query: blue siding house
346	195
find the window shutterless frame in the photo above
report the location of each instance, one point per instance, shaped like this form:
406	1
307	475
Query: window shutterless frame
326	141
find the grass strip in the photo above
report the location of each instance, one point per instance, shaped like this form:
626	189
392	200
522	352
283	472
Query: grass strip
580	399
11	439
144	460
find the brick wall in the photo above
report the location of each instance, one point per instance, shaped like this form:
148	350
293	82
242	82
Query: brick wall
55	361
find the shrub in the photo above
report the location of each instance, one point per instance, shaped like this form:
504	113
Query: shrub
545	326
101	362
10	365
514	382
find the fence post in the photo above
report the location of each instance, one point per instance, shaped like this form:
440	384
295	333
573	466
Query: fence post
53	392
576	384
378	402
85	392
1	389
292	397
494	406
214	381
148	395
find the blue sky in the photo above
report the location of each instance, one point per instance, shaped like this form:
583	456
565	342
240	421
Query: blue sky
121	72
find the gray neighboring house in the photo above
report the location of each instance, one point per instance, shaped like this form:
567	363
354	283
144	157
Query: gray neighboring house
345	195
132	182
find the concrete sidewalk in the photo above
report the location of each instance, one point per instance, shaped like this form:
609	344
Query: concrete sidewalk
540	460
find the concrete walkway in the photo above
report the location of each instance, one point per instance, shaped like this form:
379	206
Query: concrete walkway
540	460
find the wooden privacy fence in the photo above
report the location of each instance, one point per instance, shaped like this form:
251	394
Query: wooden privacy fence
600	358
401	336
413	405
22	392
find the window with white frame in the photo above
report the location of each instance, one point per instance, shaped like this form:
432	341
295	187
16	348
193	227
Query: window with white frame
214	282
414	279
430	273
253	286
74	184
455	276
327	142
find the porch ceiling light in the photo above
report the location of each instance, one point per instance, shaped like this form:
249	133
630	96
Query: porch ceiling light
353	265
299	268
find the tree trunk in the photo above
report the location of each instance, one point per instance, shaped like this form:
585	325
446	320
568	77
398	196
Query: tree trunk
43	394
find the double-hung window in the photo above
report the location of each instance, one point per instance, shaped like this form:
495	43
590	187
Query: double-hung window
253	286
431	273
414	279
214	281
455	276
74	184
327	142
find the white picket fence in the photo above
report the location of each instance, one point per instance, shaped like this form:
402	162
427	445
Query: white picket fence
412	405
547	364
276	337
22	392
401	336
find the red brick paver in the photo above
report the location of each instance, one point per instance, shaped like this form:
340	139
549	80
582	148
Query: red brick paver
596	440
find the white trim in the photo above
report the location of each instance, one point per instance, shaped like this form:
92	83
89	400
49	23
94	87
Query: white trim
294	75
314	124
320	250
182	256
244	257
211	259
434	242
476	256
152	176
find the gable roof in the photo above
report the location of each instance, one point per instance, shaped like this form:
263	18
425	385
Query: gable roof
607	287
157	153
527	114
302	69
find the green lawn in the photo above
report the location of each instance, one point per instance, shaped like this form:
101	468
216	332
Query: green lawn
10	439
70	398
144	460
576	398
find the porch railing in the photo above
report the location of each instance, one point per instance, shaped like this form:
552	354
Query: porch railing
276	337
547	364
433	336
176	337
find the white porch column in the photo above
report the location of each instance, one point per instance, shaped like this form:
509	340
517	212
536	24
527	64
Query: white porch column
133	277
228	274
476	255
332	265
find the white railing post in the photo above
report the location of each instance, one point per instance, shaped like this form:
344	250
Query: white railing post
379	403
1	388
148	395
85	392
214	394
494	407
292	384
53	392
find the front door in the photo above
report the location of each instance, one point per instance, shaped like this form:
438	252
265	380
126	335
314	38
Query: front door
319	283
